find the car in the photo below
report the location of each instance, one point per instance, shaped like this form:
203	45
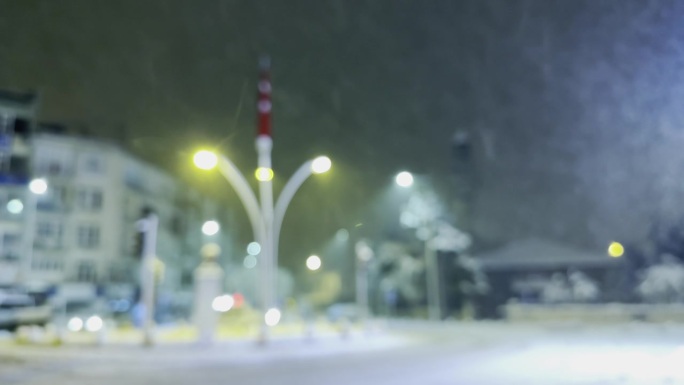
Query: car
20	309
85	317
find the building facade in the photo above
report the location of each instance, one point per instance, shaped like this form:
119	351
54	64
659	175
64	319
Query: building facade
18	111
84	226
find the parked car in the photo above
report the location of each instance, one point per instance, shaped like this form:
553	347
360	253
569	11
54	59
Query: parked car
20	309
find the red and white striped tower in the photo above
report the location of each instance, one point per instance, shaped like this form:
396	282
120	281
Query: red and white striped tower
264	98
264	146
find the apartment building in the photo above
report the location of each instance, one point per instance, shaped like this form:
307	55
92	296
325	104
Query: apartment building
18	111
85	222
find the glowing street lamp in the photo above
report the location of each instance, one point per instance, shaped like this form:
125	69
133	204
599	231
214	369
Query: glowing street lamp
263	174
404	179
206	160
313	263
321	164
616	250
210	228
38	186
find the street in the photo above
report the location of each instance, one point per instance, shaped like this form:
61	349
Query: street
470	353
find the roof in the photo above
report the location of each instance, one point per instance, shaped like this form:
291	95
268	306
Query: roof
538	253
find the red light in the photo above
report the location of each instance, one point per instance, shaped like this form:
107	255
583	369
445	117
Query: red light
239	300
264	98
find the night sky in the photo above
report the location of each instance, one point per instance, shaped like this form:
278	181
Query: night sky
574	107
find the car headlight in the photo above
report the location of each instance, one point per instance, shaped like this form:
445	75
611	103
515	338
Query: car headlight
94	324
75	324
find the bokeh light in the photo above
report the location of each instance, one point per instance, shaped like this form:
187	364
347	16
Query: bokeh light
342	235
263	174
206	160
250	262
313	263
210	228
38	186
272	317
94	324
616	250
404	179
223	303
15	206
254	248
321	164
75	324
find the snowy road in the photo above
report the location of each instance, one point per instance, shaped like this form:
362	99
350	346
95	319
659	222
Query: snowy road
456	354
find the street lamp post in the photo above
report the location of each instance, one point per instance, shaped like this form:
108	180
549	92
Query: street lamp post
431	265
149	226
319	165
35	188
364	254
424	231
265	217
208	286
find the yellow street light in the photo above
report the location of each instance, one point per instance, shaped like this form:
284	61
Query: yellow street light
616	250
206	160
321	164
263	174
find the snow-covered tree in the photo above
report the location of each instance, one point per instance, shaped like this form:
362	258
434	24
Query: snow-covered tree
421	214
664	282
449	238
584	289
401	274
478	284
557	290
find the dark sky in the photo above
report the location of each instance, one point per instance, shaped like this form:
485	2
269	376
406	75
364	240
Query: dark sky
573	106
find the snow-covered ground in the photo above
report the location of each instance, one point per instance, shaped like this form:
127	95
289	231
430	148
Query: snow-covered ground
582	354
407	353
